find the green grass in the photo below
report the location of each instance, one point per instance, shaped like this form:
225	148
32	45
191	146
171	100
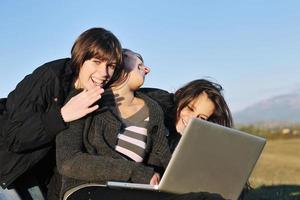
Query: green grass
280	192
277	172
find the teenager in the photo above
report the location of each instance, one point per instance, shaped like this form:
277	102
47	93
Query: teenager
200	98
37	110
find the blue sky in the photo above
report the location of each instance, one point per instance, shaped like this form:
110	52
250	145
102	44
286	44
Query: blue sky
252	48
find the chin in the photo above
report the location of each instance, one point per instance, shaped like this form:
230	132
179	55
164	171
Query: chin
136	87
179	130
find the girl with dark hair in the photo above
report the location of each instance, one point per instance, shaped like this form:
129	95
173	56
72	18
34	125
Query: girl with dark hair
37	110
212	91
200	98
125	140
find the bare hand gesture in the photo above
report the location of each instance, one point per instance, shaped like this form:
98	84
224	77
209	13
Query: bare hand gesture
155	179
79	105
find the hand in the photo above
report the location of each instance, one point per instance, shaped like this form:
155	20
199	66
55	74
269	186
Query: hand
79	105
155	179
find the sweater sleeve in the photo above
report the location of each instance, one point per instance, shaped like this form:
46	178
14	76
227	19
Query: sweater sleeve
34	117
74	162
160	154
166	101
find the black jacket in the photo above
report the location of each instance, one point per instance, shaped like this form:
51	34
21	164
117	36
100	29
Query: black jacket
167	102
34	118
3	114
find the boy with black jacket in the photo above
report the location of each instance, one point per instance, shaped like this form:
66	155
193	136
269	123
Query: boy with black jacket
37	112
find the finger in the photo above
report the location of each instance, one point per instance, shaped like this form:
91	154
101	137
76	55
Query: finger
82	93
92	100
152	182
96	94
158	177
92	109
94	90
156	181
86	93
85	101
90	97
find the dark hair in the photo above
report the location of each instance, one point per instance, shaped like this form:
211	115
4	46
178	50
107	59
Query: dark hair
192	90
124	51
123	70
96	43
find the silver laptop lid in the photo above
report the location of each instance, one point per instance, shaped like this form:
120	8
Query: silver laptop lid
212	158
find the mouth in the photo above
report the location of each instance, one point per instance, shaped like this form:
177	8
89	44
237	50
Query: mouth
98	82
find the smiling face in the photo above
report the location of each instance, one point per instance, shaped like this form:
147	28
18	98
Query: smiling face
201	107
137	70
94	73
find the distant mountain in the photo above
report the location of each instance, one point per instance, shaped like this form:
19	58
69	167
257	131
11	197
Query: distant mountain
279	109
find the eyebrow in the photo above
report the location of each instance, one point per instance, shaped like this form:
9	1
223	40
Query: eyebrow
103	60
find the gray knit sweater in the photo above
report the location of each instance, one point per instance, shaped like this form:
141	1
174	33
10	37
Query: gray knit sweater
85	152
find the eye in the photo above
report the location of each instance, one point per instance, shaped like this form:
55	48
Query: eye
96	61
203	118
190	108
112	67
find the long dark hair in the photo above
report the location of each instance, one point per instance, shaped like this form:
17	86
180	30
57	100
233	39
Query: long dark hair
193	89
222	114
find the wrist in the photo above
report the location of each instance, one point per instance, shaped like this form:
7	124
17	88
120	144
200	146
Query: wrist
62	114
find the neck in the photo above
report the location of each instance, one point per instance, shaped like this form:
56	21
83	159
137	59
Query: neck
123	95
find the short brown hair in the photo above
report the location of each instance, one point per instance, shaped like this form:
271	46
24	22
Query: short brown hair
96	43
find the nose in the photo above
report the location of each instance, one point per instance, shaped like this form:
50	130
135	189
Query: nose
147	69
103	70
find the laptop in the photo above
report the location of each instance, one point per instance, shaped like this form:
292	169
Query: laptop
209	158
